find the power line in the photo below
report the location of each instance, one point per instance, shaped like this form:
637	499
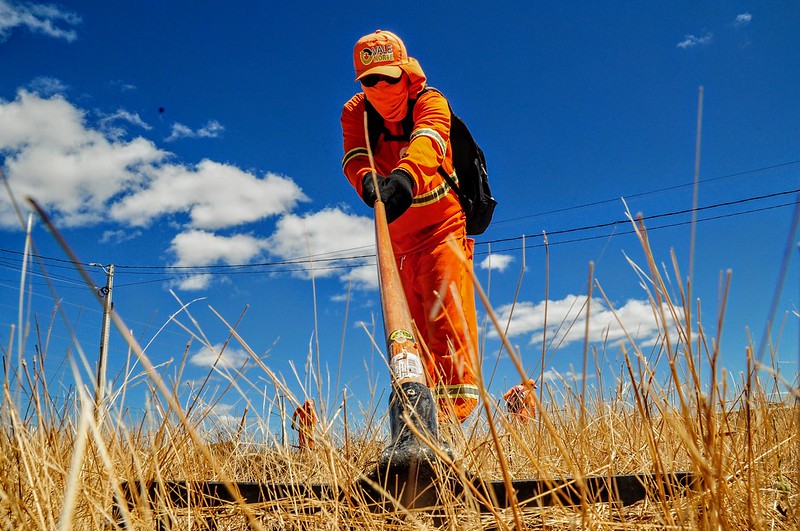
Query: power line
649	192
172	278
651	229
654	216
287	265
289	261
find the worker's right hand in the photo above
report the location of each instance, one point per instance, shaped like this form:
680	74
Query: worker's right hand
368	193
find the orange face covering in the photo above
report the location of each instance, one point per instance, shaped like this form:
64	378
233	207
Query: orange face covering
391	101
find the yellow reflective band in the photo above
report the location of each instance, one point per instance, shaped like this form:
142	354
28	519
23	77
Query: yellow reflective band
433	135
432	196
353	153
456	391
435	194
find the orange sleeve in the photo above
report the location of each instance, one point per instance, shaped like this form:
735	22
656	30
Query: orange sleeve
429	142
355	162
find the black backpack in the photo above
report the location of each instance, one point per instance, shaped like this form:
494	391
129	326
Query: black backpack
468	160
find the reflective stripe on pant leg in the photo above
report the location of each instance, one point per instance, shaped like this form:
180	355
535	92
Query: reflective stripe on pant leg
456	391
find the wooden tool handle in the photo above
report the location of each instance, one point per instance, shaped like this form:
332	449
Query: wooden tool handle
405	361
402	349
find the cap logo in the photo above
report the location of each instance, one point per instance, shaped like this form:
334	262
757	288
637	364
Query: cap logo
377	54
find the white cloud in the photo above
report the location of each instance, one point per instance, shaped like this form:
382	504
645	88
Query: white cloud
321	234
85	175
214	416
743	19
497	262
232	358
119	236
211	130
362	277
179	131
38	18
333	238
214	195
52	156
566	321
552	375
109	123
47	86
689	41
121	86
125	116
200	248
194	282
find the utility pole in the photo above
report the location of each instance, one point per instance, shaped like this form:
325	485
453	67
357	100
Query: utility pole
283	420
108	306
346	434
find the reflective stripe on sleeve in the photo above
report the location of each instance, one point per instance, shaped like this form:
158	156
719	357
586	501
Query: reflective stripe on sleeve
433	135
353	153
435	194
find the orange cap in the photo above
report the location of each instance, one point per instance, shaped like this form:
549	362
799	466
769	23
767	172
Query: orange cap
381	52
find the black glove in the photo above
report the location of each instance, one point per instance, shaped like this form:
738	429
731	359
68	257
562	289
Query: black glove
368	189
397	192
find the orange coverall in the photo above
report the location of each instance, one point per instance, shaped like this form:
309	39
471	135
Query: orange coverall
304	420
437	285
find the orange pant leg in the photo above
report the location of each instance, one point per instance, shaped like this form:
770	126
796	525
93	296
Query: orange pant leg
305	437
441	298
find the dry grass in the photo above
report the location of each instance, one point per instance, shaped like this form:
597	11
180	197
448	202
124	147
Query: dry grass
63	465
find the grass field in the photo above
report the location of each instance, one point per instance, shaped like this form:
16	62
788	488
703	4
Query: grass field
671	409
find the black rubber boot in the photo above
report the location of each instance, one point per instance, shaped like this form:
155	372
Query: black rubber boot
415	401
409	469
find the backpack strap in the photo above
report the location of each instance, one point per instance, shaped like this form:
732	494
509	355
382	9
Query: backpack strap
450	182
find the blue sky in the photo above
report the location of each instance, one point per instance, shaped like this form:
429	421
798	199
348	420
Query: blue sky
196	146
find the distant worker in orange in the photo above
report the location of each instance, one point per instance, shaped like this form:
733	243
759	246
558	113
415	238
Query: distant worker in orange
411	147
520	401
304	420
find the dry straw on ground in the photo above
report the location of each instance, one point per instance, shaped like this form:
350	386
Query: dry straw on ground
670	408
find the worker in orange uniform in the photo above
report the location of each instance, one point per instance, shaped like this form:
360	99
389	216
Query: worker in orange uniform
520	401
423	214
304	420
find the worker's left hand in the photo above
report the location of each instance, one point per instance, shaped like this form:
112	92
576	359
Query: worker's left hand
368	188
397	192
